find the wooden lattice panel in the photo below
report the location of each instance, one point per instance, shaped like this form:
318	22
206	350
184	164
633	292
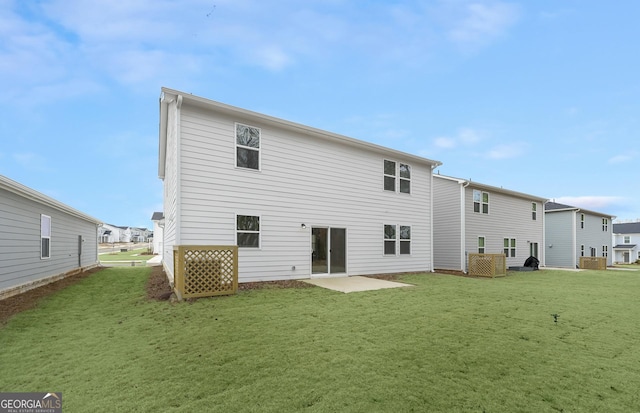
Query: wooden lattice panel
593	263
203	271
487	265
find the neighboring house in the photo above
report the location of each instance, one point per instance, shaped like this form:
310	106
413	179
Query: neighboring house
139	234
158	229
469	217
626	242
108	234
125	234
298	201
573	232
41	239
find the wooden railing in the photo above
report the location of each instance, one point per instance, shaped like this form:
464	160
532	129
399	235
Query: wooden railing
593	263
487	265
205	270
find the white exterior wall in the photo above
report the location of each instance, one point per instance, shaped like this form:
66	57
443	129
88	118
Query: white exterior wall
170	233
158	237
448	224
593	236
21	265
508	217
303	179
560	239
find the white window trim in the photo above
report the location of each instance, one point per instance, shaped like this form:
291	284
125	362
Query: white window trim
481	203
396	176
534	211
401	240
385	240
397	240
236	146
259	232
42	257
478	244
509	247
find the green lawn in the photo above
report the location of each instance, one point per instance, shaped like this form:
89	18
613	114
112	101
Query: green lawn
133	255
448	344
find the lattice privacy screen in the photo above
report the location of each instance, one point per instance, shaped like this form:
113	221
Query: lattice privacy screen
203	271
487	265
593	263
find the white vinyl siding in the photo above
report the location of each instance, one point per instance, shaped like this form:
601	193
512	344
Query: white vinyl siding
509	215
21	235
302	180
448	223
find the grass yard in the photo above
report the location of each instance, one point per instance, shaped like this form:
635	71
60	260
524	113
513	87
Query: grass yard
448	344
133	255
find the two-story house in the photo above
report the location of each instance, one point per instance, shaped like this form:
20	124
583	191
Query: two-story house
573	232
470	217
299	202
626	242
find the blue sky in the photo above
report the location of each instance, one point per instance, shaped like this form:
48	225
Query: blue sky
540	97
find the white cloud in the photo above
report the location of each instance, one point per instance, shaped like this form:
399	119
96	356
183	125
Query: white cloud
507	151
445	143
474	24
463	137
623	158
595	202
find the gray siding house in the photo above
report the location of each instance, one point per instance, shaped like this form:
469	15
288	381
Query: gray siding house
626	242
298	202
41	239
470	217
573	232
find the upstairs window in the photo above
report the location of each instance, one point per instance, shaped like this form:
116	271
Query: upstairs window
581	221
405	178
397	172
248	231
627	239
534	211
247	147
480	202
389	176
45	236
605	224
510	247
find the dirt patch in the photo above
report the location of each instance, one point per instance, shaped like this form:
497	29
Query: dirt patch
29	299
261	285
158	287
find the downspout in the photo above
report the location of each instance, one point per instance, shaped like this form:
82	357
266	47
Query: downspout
574	240
463	227
433	166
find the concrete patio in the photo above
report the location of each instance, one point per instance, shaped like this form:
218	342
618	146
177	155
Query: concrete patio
354	284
